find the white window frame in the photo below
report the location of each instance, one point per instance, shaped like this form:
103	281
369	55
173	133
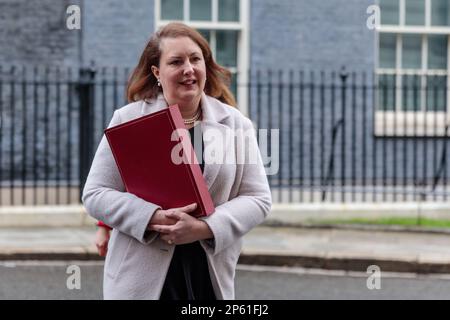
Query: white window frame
243	45
422	123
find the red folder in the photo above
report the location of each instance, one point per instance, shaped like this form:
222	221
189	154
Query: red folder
143	150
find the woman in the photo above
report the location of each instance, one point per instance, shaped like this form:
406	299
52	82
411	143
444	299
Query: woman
168	254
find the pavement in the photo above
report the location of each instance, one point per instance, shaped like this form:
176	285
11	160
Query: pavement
339	247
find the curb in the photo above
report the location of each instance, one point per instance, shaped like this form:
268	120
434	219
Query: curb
347	264
46	256
316	262
273	223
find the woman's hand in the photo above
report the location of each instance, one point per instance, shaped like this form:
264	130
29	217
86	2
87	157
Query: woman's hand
164	216
101	241
161	217
186	228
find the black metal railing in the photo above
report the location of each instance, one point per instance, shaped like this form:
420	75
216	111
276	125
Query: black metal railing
342	136
341	140
51	122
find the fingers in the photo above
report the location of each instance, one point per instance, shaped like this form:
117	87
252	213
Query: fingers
102	250
160	228
189	208
177	213
167	239
173	214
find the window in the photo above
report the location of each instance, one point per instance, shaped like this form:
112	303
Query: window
413	66
224	23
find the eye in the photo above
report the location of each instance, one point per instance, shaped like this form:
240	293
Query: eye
175	62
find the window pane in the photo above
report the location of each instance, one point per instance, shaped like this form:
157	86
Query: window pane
415	12
437	52
228	10
389	11
412	53
227	48
172	9
436	93
200	10
233	84
386	92
411	93
440	12
387	50
206	34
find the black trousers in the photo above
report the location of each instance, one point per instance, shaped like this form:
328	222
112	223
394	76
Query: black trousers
188	276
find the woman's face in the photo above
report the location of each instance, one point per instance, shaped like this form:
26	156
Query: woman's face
182	70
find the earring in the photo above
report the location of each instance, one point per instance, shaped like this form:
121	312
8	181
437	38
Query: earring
158	83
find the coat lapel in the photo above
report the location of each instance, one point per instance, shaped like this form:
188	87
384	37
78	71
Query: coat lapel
213	117
153	105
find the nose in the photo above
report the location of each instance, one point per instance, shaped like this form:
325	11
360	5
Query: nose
188	69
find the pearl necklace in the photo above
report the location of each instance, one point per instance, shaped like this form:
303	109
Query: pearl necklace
194	118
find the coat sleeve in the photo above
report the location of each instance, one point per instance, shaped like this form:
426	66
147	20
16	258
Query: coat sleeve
105	198
234	218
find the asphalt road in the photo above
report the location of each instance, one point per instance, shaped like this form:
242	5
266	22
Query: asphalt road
50	280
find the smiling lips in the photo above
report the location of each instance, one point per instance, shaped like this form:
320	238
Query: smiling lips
189	82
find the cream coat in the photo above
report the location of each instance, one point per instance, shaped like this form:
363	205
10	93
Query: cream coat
138	260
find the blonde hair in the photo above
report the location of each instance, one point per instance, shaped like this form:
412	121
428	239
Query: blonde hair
143	84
